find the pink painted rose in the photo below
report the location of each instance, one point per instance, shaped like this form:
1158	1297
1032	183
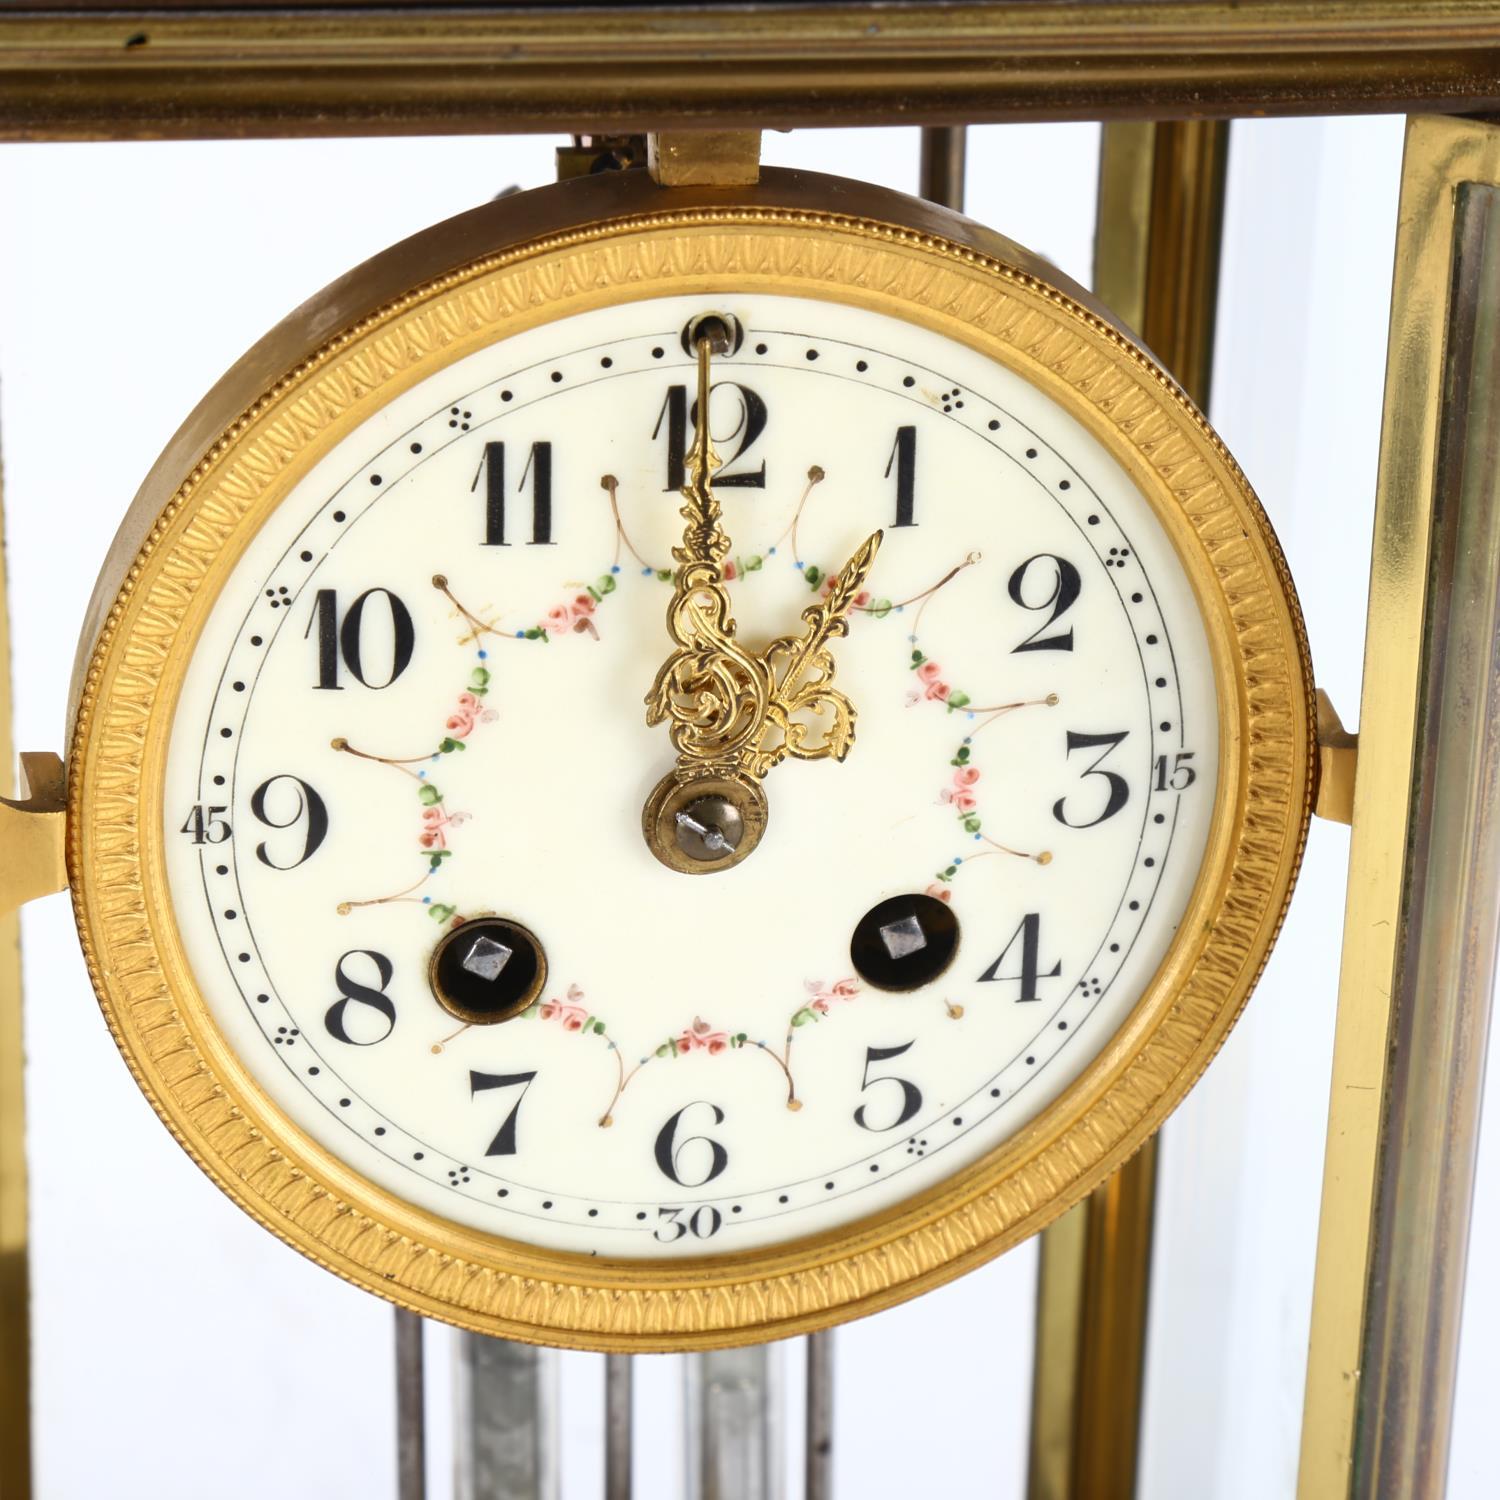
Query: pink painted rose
938	690
939	892
583	605
965	801
460	725
558	619
730	572
432	838
845	989
929	671
966	776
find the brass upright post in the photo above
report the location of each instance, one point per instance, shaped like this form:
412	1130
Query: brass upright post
1156	263
1422	919
15	1279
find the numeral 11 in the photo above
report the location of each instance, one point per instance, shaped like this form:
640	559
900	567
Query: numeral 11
538	471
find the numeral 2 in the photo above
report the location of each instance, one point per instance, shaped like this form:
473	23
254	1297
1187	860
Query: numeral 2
1063	595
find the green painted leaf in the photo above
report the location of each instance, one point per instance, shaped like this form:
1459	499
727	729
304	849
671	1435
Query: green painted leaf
429	794
606	584
957	700
440	913
880	608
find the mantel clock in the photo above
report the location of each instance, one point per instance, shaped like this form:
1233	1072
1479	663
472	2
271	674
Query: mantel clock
662	766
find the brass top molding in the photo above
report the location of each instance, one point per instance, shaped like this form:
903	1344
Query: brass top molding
83	72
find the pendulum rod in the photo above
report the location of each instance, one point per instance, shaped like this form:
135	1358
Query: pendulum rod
818	1463
15	1289
1422	918
733	1407
504	1420
411	1447
1156	265
619	1404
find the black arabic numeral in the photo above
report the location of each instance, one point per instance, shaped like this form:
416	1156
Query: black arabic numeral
504	1143
205	825
1061	597
677	417
343	1024
903	461
537	471
1181	775
310	807
346	640
1119	789
704	1222
1029	934
911	1095
669	1150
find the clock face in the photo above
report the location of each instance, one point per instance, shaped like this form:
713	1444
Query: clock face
417	704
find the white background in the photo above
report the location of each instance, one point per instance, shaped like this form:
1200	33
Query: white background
180	1351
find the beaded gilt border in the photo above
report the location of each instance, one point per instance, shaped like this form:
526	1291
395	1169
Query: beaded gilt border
445	1271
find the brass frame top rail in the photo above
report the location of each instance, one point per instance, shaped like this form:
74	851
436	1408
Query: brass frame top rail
82	71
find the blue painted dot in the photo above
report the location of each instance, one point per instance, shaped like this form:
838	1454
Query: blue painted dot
645	572
773	552
968	739
800	564
615	569
958	860
426	900
484	656
520	634
976	838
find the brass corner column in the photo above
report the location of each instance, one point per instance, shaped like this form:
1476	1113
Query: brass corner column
15	1273
1422	920
1156	264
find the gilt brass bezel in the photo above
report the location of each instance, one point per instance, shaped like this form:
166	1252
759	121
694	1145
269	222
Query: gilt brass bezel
428	303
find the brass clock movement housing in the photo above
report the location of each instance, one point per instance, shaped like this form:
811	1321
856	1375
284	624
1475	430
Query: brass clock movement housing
511	266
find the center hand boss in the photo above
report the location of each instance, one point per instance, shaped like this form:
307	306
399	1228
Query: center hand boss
734	713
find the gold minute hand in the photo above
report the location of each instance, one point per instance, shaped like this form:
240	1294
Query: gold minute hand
714	693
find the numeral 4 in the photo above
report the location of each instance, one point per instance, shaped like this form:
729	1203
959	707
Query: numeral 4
1029	934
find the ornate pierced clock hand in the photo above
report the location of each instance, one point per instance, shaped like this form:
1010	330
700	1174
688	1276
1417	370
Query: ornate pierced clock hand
725	703
715	694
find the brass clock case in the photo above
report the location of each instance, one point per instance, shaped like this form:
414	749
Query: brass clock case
425	304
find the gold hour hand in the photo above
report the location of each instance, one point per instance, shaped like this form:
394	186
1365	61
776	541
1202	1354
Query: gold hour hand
802	672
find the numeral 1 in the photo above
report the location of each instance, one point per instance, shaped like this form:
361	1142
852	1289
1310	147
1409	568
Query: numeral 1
538	469
903	461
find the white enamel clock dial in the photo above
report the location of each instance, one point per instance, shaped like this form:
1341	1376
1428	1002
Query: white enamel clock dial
418	700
